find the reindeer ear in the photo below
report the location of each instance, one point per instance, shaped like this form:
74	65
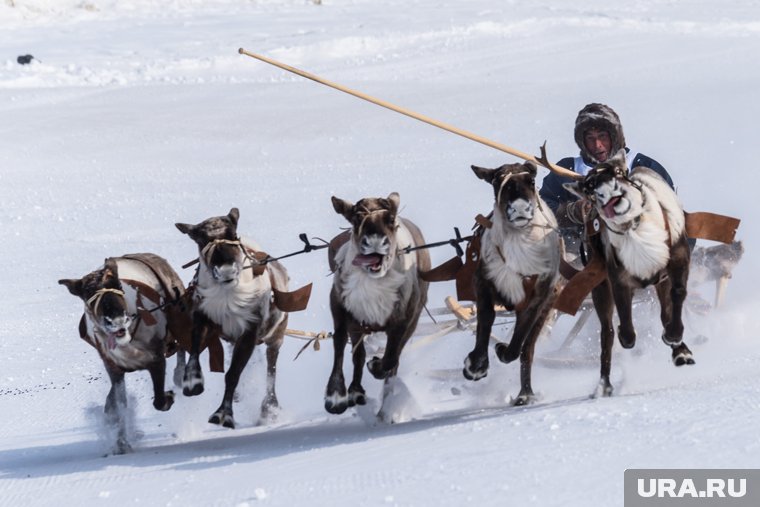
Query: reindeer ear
234	215
74	286
342	207
185	228
394	200
575	188
110	268
483	173
531	168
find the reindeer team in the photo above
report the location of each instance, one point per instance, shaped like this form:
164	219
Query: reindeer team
136	310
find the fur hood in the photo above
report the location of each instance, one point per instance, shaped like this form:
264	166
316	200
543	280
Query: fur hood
601	117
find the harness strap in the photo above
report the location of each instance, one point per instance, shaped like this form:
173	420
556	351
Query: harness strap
579	285
151	294
703	225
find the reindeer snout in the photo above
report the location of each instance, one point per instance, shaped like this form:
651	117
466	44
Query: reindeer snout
375	244
520	211
225	273
117	329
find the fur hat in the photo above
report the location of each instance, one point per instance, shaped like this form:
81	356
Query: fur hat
602	117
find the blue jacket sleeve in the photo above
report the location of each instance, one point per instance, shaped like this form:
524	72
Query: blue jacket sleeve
552	191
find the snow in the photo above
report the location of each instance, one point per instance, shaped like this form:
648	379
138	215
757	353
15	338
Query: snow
136	114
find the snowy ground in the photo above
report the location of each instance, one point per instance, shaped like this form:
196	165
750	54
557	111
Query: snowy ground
137	114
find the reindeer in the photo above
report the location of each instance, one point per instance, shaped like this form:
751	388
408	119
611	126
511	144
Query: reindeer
520	251
129	319
233	293
376	288
639	232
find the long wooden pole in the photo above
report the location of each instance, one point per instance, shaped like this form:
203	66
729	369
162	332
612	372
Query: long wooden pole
407	112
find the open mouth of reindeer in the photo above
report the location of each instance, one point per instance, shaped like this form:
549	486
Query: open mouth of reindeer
617	205
374	252
372	262
117	333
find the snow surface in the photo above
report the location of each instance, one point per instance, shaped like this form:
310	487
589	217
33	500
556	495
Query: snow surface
137	114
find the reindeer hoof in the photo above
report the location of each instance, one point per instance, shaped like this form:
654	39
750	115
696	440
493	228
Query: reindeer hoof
167	404
336	404
524	399
356	396
375	367
505	354
122	447
627	341
683	359
475	369
269	414
682	355
223	418
192	384
194	390
603	390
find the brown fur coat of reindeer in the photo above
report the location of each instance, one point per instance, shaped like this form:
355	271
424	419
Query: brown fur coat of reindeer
376	287
519	266
639	232
129	320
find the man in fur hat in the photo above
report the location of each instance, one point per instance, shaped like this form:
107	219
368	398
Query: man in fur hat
599	135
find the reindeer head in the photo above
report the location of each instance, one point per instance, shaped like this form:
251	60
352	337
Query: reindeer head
614	195
514	188
219	246
374	224
104	301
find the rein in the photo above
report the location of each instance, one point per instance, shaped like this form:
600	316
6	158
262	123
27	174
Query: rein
208	251
453	242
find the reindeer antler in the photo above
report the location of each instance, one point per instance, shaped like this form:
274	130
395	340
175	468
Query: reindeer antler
561	171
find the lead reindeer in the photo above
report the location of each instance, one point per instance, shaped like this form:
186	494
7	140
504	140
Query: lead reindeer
376	288
642	239
130	320
520	252
234	292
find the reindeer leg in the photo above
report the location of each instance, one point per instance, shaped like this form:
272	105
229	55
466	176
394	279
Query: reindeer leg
336	399
526	395
179	369
356	393
398	331
386	367
523	321
162	401
678	273
623	296
271	405
476	362
602	298
116	404
241	353
192	382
